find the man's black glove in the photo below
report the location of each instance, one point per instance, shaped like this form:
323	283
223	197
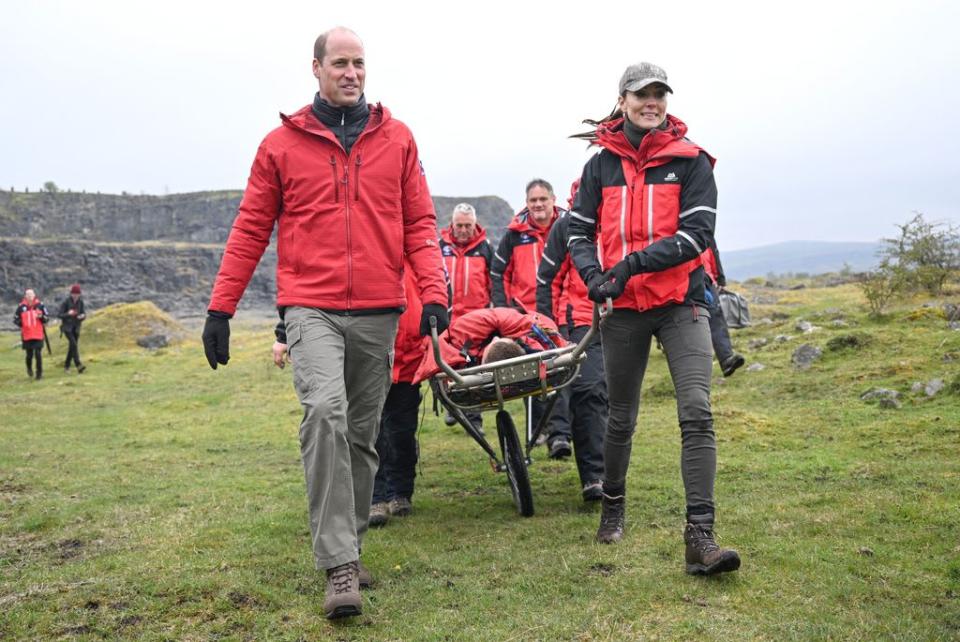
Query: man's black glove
216	338
433	310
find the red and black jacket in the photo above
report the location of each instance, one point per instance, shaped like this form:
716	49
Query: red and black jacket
561	293
344	222
659	200
513	276
469	269
464	341
30	318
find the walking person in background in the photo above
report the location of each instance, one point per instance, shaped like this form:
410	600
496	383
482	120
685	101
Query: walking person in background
342	183
31	317
649	199
468	257
727	357
514	282
72	313
562	295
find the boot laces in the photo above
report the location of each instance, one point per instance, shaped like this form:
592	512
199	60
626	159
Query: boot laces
341	576
703	538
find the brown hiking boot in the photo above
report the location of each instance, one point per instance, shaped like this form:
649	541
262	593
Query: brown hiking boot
400	506
704	557
343	591
611	519
364	577
379	515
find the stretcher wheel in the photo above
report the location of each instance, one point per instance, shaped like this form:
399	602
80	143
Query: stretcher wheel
515	464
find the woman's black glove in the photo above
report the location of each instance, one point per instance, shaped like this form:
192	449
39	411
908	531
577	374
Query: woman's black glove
216	338
433	310
594	283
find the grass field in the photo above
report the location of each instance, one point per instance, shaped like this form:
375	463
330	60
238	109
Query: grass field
152	498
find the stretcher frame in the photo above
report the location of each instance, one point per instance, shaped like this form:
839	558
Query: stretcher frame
490	386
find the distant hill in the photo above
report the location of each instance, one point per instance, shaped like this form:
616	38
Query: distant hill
811	257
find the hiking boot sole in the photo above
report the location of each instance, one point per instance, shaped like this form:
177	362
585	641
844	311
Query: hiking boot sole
725	565
344	610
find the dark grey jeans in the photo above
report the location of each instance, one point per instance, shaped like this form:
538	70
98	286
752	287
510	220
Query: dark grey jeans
684	332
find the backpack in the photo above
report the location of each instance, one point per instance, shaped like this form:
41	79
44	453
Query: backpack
735	310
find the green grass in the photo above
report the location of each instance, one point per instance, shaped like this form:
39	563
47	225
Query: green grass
153	498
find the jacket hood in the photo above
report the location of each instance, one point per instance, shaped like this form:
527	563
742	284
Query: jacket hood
304	120
479	236
670	141
36	302
522	223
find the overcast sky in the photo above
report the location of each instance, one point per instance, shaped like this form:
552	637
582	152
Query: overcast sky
829	120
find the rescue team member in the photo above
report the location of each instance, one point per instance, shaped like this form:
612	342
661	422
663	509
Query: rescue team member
651	192
30	317
562	295
514	276
467	256
728	359
344	186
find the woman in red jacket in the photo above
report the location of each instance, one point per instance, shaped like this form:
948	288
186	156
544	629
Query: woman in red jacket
650	194
30	317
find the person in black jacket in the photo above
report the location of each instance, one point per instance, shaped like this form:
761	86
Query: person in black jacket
72	314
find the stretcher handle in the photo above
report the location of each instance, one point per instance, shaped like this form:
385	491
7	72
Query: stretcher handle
600	311
435	340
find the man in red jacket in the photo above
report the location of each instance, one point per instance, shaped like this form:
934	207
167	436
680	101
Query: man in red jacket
582	416
468	256
514	273
343	184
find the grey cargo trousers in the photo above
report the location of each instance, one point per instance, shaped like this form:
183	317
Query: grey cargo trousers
342	368
684	332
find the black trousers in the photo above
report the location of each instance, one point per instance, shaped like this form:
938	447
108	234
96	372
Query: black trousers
73	352
34	350
397	444
581	411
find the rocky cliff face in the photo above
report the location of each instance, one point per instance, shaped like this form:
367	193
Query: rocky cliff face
129	248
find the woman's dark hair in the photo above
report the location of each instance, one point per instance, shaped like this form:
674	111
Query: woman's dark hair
591	136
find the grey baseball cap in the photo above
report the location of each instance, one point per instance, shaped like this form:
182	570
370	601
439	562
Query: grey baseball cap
638	76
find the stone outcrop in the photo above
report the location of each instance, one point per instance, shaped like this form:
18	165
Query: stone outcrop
165	249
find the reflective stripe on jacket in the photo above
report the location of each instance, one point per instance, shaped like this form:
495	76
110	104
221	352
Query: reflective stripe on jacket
469	269
659	200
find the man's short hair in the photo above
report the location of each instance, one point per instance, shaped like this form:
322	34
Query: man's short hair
539	182
320	44
465	208
500	349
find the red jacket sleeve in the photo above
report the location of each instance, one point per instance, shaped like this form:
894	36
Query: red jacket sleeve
250	234
420	230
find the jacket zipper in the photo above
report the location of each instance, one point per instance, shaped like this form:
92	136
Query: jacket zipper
346	204
336	179
356	179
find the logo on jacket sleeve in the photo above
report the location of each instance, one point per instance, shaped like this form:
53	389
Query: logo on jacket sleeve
670	178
